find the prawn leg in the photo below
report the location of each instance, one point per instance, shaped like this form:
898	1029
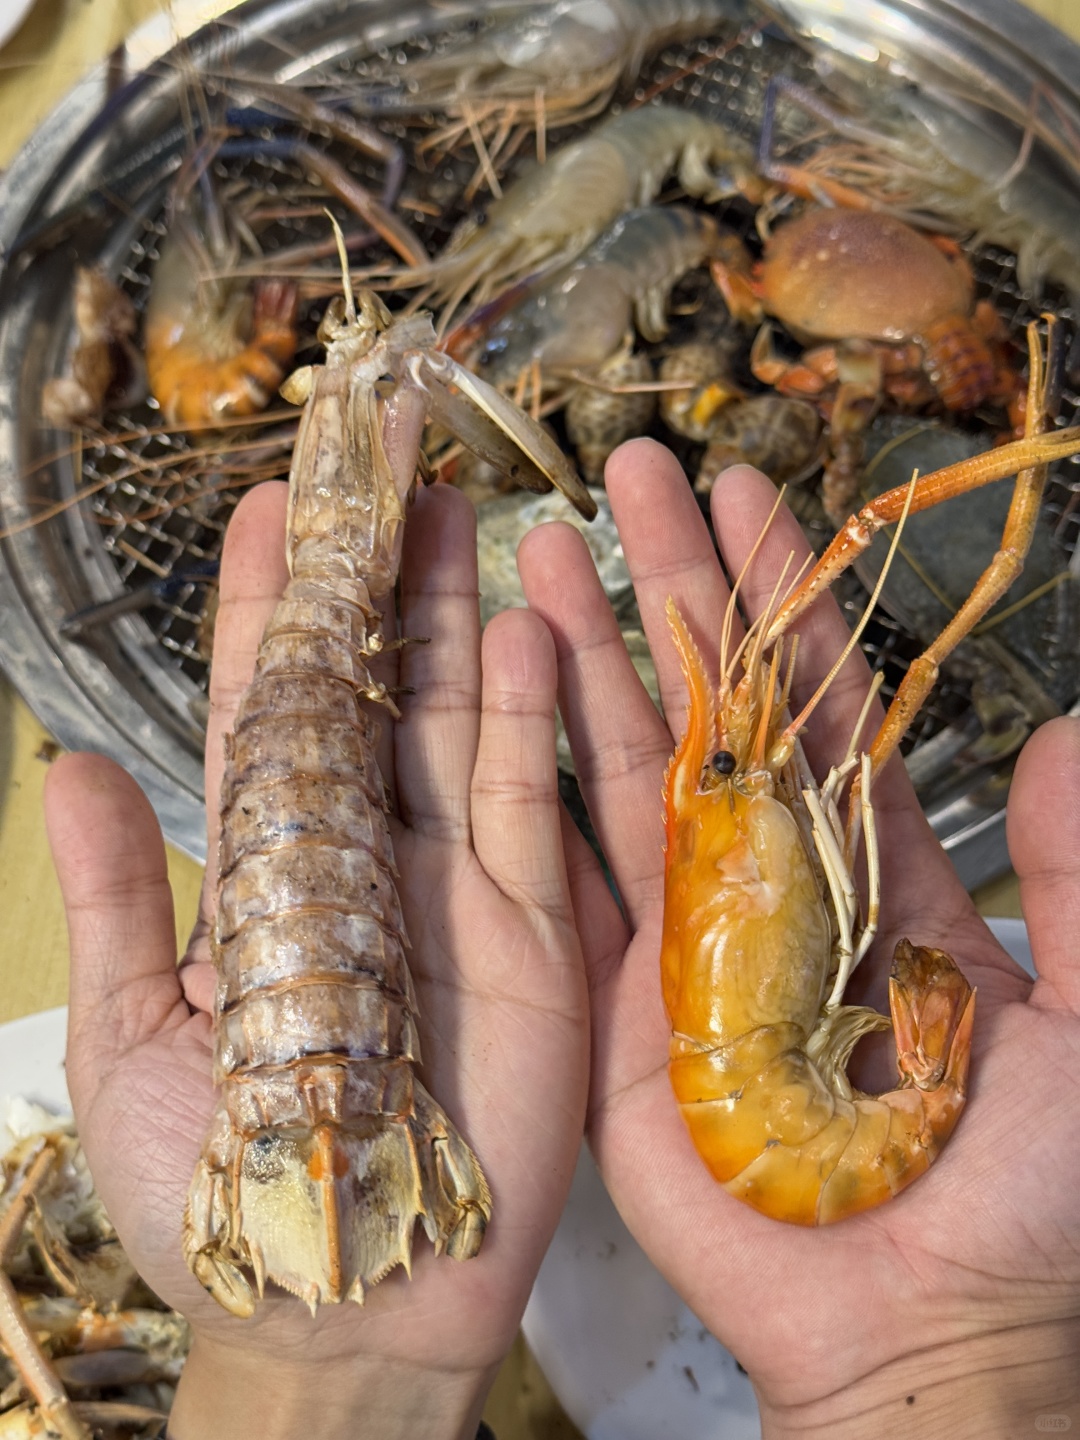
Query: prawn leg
996	579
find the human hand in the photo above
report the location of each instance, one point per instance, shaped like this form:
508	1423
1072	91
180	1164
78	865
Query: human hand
478	840
964	1292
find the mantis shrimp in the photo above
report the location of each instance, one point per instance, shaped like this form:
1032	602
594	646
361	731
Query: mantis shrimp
762	926
325	1149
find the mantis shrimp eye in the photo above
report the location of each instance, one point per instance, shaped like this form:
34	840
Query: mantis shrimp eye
723	762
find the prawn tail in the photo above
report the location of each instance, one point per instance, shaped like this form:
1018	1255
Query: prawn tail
899	1134
779	1125
328	1210
933	1010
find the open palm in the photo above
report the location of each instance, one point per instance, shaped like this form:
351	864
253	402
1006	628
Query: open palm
978	1264
479	845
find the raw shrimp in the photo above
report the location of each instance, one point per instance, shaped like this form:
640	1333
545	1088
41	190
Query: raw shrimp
55	1234
762	917
216	347
553	212
557	62
325	1148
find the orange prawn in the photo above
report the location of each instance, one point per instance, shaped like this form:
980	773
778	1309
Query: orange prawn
216	347
762	921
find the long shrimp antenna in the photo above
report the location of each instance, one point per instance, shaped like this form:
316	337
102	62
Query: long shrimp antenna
766	716
766	615
789	674
766	696
811	705
876	682
730	609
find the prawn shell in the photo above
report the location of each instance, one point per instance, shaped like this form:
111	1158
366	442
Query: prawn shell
849	274
739	880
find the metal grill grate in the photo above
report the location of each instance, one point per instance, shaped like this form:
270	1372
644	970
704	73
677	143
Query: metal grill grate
154	514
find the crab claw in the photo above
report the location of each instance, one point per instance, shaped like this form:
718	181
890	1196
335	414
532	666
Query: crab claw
492	427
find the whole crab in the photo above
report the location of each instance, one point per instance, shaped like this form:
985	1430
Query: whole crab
884	311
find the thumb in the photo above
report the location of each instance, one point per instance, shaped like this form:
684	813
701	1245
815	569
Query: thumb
110	860
1043	826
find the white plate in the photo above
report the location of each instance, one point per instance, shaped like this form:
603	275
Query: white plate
32	1064
627	1359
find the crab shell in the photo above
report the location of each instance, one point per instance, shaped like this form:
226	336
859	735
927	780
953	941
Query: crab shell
860	275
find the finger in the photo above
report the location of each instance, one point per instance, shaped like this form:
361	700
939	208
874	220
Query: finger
437	736
620	744
516	814
253	576
670	553
110	861
603	932
1043	827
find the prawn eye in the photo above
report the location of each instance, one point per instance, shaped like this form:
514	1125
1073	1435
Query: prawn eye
723	762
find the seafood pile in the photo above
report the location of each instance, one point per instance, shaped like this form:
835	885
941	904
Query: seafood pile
85	1348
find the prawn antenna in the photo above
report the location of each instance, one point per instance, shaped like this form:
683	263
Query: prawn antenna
730	610
789	674
815	699
766	717
753	641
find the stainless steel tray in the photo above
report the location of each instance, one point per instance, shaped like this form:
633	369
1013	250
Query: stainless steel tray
135	692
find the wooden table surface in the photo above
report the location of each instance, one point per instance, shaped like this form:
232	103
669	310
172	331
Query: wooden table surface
61	40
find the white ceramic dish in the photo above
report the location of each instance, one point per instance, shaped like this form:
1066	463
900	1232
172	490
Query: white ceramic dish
32	1063
627	1359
